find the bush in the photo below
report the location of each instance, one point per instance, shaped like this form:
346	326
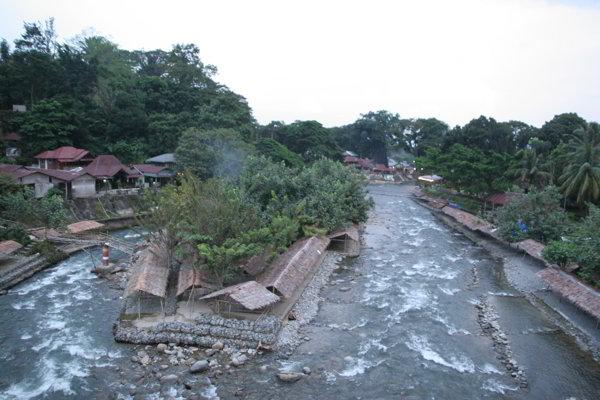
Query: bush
15	232
535	215
48	251
560	253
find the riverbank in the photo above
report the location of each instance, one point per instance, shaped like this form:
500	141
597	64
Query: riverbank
520	270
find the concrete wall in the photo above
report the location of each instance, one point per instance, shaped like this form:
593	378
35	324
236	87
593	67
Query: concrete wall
42	183
83	187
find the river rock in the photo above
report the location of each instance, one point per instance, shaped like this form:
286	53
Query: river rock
161	347
199	366
218	346
210	352
306	370
169	378
289	376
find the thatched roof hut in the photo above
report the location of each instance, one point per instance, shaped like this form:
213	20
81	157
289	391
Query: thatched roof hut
149	275
191	277
583	296
290	269
9	246
250	295
83	226
346	240
531	247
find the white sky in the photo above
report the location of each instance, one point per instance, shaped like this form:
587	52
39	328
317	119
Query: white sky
333	60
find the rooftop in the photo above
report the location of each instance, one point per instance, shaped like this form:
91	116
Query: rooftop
64	154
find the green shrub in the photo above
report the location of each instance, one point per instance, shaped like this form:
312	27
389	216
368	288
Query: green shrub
560	253
535	215
48	251
15	232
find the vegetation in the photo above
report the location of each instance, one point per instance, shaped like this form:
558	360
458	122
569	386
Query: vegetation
535	215
580	246
48	251
21	206
218	224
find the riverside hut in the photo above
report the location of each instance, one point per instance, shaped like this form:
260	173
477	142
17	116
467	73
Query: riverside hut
290	269
191	279
246	296
346	241
583	296
148	281
83	226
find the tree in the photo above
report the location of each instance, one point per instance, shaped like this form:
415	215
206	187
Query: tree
483	133
468	169
560	128
529	169
278	152
217	152
310	140
581	177
421	134
535	215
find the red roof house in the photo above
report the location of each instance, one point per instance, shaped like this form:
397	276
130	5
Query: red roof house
64	157
108	166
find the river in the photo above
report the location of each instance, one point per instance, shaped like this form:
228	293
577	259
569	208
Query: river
399	322
56	332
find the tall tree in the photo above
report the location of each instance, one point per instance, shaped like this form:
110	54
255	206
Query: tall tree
560	128
529	169
582	175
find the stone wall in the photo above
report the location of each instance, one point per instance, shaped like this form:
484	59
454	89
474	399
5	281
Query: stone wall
204	331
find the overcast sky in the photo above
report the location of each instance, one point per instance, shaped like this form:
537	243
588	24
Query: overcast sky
333	60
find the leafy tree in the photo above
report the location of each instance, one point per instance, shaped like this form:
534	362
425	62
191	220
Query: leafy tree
52	211
560	128
310	140
278	152
421	134
560	252
535	215
468	169
483	133
581	177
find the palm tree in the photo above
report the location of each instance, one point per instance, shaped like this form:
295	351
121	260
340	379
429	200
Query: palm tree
530	169
582	174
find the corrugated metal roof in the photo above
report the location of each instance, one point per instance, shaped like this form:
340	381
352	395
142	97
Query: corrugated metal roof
107	166
149	168
162	158
9	246
8	168
288	270
583	296
251	295
64	154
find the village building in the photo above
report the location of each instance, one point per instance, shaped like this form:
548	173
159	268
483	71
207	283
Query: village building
155	175
72	184
65	158
12	144
110	173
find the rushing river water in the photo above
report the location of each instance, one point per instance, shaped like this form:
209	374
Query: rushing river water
406	328
56	333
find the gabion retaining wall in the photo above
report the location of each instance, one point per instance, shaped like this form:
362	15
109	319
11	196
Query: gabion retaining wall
204	331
